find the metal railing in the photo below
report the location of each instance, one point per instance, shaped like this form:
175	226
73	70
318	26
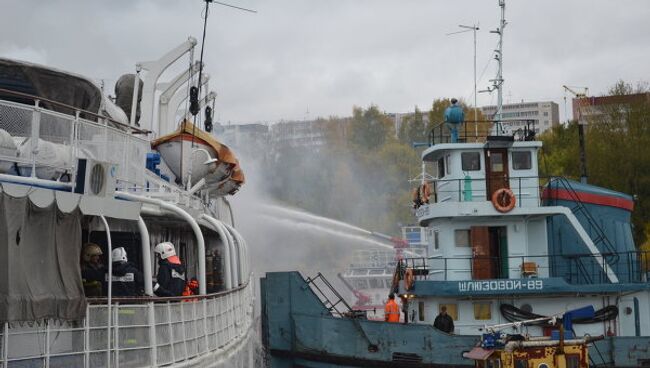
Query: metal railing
145	332
478	131
526	189
70	136
580	269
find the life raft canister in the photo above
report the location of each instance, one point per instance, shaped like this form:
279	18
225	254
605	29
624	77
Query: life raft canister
408	278
504	200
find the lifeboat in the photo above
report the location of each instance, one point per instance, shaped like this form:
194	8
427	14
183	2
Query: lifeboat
191	151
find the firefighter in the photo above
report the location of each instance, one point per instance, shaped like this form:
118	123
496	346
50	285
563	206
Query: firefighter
127	279
391	310
93	272
171	273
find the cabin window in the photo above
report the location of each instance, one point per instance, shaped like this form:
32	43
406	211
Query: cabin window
448	164
436	239
421	311
521	363
496	163
461	238
452	310
470	161
441	168
572	361
521	160
482	311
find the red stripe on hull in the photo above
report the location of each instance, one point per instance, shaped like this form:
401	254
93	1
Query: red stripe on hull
592	198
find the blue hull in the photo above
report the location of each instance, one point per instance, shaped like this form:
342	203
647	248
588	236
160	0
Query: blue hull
300	331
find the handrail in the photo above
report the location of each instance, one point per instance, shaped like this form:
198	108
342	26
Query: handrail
464	136
161	299
70	107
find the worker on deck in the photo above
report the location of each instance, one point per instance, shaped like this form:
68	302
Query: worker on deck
171	272
454	118
443	321
92	270
391	310
127	279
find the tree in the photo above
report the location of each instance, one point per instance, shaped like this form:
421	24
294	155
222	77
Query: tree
370	128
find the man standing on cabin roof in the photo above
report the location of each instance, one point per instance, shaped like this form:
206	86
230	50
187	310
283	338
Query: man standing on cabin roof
391	310
171	273
443	321
454	118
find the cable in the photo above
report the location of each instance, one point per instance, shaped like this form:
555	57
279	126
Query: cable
514	314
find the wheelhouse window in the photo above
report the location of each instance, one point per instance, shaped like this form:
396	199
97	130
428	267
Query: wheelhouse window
461	238
482	311
496	163
421	311
452	310
448	164
521	160
470	161
441	167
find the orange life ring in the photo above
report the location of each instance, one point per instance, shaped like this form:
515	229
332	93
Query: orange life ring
408	278
504	200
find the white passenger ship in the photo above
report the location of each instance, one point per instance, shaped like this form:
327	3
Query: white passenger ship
74	168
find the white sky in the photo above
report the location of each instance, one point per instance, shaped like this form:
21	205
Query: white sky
323	57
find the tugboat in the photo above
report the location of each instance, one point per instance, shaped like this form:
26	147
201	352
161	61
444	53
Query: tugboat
504	246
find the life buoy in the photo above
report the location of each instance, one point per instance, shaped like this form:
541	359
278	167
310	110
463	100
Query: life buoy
504	200
408	278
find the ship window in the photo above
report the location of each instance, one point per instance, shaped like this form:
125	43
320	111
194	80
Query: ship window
452	310
375	284
521	160
521	363
441	168
447	164
496	163
421	311
482	311
461	238
470	161
436	240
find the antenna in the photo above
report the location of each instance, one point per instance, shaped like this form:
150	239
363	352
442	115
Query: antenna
497	83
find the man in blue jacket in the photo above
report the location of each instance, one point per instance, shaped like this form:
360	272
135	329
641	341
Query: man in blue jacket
454	118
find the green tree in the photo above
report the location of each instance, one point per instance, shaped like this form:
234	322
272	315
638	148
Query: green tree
370	128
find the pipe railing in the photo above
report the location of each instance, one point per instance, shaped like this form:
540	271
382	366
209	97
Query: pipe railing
632	267
478	131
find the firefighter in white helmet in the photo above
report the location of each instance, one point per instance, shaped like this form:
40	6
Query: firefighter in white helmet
171	272
127	279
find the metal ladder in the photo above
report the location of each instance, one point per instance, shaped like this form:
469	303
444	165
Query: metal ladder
610	256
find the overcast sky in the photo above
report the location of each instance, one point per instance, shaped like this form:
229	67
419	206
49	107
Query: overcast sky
298	59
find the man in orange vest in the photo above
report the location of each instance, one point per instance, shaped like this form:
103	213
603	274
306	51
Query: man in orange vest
391	310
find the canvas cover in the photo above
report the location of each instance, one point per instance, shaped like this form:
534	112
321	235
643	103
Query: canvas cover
50	84
40	275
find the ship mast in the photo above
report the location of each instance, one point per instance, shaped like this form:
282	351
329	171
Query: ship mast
497	83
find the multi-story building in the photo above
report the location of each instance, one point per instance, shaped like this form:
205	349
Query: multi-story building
545	113
589	108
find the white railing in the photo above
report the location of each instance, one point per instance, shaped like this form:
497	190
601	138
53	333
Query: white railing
146	334
74	137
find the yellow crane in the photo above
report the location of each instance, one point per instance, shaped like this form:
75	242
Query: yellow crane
581	93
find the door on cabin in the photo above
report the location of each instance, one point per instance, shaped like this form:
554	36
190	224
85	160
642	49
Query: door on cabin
496	170
489	252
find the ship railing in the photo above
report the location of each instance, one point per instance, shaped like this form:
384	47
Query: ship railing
144	332
77	134
526	189
581	269
477	131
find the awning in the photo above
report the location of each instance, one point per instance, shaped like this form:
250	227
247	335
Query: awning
478	353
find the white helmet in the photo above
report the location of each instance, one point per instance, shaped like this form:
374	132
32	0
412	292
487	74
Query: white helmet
119	255
165	250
